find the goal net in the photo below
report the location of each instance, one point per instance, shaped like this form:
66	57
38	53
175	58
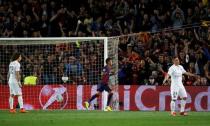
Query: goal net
59	73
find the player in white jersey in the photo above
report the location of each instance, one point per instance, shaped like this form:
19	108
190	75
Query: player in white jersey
14	83
177	88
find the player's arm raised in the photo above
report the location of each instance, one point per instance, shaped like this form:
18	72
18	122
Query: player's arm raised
190	74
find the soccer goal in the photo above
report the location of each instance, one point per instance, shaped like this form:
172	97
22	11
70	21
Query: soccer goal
59	73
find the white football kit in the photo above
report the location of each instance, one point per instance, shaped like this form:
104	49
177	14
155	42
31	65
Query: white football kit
13	83
177	87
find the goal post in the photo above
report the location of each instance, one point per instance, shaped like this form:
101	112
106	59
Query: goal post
63	65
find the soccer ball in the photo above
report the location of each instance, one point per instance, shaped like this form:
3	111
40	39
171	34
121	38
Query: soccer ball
59	98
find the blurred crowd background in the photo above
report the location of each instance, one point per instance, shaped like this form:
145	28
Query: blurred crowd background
165	28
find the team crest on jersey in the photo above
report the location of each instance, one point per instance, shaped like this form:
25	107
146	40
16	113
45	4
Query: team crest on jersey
53	97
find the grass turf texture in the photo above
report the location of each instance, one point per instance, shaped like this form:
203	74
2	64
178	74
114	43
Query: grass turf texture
100	118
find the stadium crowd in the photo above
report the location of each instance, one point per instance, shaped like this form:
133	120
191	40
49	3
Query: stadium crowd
55	18
49	63
146	59
168	28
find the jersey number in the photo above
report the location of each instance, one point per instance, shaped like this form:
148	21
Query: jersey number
11	70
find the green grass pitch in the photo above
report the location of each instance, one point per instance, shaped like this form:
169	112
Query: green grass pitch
100	118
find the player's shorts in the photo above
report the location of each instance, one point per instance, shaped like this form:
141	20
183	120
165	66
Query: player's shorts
103	87
178	91
14	88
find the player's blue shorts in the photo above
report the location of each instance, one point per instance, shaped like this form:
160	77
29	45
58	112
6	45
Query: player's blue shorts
103	87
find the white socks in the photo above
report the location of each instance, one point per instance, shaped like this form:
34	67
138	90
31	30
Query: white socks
183	102
173	106
11	101
20	101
